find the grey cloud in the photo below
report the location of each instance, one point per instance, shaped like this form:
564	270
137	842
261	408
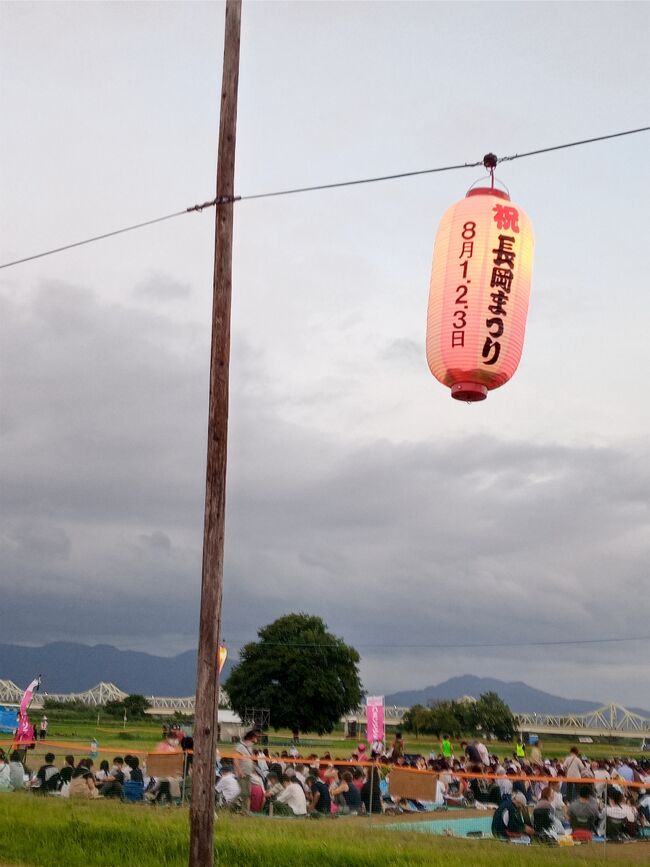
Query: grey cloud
35	541
156	540
442	542
404	350
161	287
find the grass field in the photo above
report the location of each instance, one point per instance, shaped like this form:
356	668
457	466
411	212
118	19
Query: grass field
142	736
42	832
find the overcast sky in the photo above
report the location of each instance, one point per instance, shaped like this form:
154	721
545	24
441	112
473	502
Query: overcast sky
357	489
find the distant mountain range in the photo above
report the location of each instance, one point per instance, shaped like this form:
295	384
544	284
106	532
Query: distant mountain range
69	667
520	697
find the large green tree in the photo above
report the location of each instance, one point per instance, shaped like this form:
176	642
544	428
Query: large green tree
307	677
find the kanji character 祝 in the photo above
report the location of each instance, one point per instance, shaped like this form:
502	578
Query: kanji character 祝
506	217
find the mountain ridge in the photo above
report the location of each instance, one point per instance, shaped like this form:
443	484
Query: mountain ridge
72	667
519	696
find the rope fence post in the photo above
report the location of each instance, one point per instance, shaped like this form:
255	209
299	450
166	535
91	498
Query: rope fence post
185	758
605	803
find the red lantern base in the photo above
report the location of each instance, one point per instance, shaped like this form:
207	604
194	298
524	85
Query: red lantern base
468	391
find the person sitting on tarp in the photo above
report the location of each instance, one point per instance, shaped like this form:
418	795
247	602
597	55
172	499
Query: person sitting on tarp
319	800
82	784
47	777
511	818
371	793
5	774
65	774
112	785
584	812
228	789
291	801
16	770
345	795
546	822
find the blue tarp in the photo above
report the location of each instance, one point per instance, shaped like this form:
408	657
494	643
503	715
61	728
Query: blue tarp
7	720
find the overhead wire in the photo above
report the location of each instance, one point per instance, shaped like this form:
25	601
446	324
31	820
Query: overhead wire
455	646
95	238
225	200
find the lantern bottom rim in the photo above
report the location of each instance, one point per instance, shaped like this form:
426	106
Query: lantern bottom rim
470	392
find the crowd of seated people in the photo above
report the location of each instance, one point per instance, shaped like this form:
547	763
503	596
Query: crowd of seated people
124	779
288	784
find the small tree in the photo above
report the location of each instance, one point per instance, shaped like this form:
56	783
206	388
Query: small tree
416	720
445	718
133	705
303	674
495	717
114	708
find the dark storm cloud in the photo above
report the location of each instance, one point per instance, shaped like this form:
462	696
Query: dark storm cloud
473	540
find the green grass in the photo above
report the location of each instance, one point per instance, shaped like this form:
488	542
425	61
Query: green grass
42	832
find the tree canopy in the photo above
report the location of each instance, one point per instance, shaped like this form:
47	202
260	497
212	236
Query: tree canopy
489	714
307	677
134	706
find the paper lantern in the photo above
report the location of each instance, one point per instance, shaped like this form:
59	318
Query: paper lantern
222	656
478	298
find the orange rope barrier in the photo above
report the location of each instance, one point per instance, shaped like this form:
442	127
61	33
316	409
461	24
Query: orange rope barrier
310	762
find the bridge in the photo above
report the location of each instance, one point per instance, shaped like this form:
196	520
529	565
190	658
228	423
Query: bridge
10	694
611	720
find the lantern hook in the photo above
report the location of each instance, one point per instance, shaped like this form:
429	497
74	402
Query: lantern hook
490	162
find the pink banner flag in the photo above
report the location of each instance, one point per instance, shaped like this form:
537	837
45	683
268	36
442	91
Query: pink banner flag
25	731
375	718
26	700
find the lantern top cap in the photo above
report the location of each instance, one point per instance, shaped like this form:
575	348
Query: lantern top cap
487	191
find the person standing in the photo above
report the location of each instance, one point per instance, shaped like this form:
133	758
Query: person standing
245	767
573	766
536	756
446	748
483	753
42	732
397	749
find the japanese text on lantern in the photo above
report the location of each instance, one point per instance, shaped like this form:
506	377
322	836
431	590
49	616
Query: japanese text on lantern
459	317
503	272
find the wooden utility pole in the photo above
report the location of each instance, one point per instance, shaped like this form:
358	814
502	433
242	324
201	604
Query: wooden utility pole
207	678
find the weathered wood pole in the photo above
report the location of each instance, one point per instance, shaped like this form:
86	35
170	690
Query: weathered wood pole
207	676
